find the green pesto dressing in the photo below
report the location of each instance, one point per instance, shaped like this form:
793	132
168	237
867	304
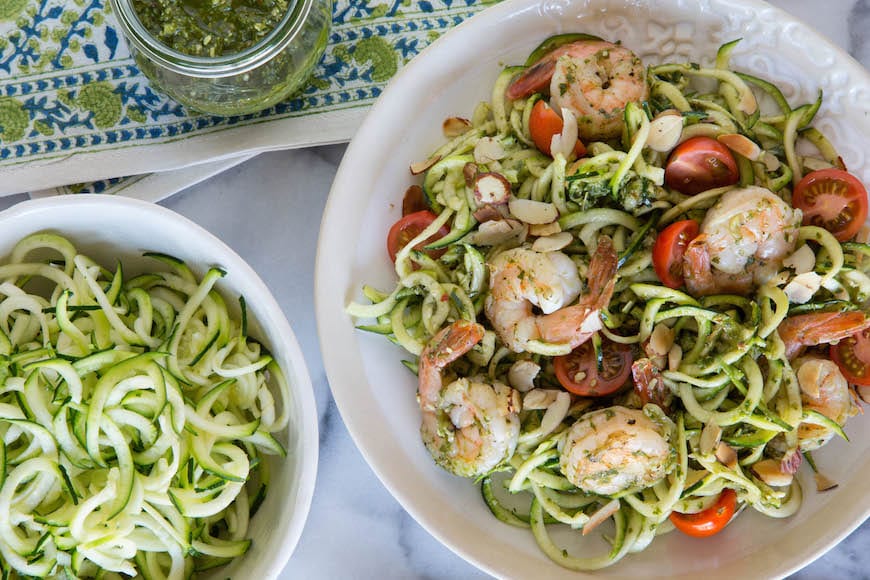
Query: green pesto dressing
210	28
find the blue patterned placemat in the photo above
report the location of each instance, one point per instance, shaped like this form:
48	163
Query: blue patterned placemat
68	83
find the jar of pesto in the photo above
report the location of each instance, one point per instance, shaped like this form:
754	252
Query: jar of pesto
226	57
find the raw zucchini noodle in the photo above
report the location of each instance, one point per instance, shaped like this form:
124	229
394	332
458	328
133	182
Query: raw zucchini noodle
730	385
135	418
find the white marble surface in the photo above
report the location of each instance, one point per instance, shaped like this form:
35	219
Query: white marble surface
269	209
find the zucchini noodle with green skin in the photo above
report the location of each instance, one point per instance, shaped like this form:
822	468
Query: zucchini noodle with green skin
136	415
559	364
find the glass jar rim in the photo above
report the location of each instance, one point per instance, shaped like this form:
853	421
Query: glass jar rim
218	66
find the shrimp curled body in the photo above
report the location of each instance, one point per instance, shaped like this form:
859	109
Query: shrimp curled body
826	390
611	450
468	426
595	80
744	239
815	328
521	279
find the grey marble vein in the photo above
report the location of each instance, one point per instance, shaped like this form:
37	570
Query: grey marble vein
859	26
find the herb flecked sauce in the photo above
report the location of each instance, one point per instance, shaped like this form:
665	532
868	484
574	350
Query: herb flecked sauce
210	28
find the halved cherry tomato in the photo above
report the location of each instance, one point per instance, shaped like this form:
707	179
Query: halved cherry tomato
668	251
408	228
709	521
833	199
699	164
852	355
544	122
578	371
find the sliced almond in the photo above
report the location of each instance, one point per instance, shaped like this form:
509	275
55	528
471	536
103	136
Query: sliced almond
768	471
771	161
675	357
664	132
487	150
545	229
710	438
421	166
741	144
522	375
538	399
553	243
824	483
600	516
803	260
863	393
492	188
661	339
803	287
726	455
455	126
487	213
496	232
533	212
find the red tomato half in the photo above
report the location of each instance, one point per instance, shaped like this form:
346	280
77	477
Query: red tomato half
852	355
544	122
709	521
408	228
668	251
699	164
833	199
578	371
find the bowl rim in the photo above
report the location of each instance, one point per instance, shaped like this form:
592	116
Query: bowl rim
298	376
377	456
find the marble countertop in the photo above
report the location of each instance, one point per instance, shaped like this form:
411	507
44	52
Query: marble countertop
285	193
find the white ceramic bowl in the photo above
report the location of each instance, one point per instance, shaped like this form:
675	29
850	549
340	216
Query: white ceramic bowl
376	394
110	228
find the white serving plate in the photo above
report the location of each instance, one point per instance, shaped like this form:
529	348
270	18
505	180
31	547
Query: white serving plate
376	394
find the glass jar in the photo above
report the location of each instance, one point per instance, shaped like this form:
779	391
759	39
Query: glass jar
239	83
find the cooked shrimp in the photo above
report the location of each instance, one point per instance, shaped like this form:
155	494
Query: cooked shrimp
744	239
611	450
825	389
521	278
468	426
815	328
595	80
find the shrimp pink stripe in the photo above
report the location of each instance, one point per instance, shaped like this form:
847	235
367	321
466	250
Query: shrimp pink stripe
819	328
446	346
